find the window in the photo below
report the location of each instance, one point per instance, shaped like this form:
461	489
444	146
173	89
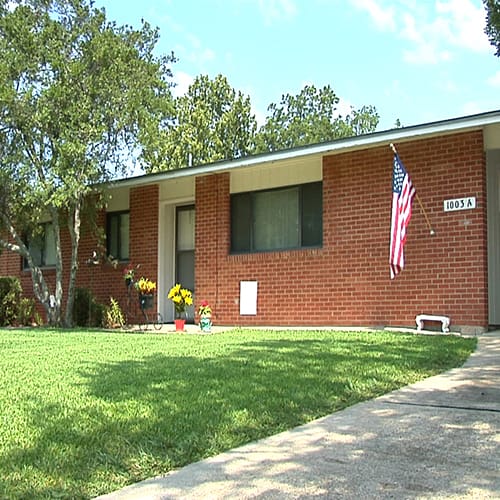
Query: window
117	235
277	219
42	247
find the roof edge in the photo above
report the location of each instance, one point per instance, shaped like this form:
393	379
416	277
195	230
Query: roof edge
355	142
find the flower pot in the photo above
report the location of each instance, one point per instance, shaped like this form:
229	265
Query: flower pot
206	323
179	325
146	301
128	282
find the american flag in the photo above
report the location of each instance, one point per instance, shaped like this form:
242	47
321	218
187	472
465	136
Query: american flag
402	198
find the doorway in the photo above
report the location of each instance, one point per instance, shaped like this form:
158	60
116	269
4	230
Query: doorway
184	252
493	208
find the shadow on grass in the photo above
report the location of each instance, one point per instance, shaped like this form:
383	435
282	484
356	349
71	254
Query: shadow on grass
144	417
435	439
372	450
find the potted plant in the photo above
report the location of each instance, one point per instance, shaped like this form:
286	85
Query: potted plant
129	274
205	313
181	297
146	288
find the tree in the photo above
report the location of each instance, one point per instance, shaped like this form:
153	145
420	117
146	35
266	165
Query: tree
75	90
212	122
311	117
493	23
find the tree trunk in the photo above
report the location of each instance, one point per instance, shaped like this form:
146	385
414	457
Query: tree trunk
74	224
42	293
40	288
57	300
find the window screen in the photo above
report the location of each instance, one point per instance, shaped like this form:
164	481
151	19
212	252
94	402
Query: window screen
42	247
118	235
277	219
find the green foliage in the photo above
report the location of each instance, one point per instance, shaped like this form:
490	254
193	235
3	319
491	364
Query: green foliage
27	315
311	117
114	314
86	310
14	308
493	23
212	122
98	411
75	92
10	298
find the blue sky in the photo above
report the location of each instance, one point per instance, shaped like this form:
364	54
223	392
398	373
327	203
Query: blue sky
416	60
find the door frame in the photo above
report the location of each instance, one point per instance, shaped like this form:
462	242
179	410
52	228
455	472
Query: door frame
178	209
166	253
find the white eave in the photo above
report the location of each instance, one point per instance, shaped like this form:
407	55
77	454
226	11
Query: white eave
375	139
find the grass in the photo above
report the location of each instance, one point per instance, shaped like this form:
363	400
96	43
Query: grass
84	413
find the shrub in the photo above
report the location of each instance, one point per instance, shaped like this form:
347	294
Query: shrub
114	315
86	310
10	298
27	315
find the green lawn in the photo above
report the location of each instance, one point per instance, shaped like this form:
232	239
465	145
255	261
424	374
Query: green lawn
84	413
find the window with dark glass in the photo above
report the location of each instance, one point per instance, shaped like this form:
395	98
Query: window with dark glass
117	235
42	246
277	219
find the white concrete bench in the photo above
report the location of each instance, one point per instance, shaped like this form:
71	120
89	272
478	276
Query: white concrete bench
445	321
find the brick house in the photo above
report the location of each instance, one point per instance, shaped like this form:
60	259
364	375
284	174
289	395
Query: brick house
300	237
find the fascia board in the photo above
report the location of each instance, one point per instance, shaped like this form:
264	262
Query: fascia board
375	139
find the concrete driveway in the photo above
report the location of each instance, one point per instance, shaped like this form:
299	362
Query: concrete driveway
439	438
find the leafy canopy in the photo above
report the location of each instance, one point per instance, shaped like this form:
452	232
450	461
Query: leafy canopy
493	23
75	92
212	122
311	117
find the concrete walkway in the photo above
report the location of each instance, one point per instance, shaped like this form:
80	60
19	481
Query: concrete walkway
439	438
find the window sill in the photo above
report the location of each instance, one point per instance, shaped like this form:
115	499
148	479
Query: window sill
43	268
295	253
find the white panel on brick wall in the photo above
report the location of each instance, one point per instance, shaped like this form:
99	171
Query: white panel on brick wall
248	298
284	173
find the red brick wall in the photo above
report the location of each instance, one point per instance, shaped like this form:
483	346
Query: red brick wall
144	213
11	264
104	279
347	282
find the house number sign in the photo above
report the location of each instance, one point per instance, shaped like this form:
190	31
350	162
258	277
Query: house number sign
460	204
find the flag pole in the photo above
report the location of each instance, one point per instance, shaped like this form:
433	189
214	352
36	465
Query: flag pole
432	232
